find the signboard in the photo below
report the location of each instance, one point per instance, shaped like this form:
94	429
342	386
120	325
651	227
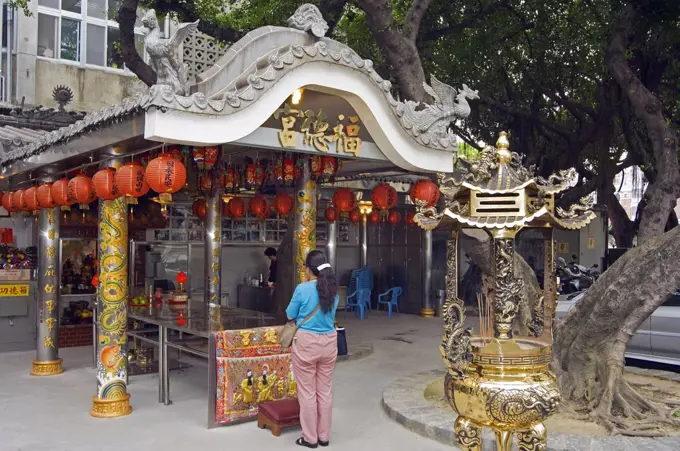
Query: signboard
14	290
316	131
591	243
563	248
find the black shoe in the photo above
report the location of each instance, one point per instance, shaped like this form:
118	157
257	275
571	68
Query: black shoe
301	441
322	443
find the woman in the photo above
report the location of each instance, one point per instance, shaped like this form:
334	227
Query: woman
315	348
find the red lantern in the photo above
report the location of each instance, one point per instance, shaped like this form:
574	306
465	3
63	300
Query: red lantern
254	175
205	157
288	171
231	179
181	277
384	197
409	218
45	199
426	191
95	281
80	188
344	200
259	207
7	202
31	198
329	167
205	182
19	200
237	207
199	208
374	217
331	214
394	217
165	175
316	166
105	186
355	215
283	203
277	173
60	193
131	180
225	210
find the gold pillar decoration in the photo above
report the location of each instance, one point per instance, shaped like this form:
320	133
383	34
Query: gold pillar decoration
304	239
112	399
503	381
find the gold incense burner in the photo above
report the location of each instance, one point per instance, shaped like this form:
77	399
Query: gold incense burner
497	379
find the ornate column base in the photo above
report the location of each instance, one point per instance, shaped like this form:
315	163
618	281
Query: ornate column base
111	408
468	434
427	312
48	368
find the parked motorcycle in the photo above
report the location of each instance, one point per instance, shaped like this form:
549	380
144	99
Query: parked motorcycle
574	277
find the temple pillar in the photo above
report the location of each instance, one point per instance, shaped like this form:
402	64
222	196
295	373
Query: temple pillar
304	238
363	240
508	288
451	278
112	399
427	309
212	284
47	362
332	244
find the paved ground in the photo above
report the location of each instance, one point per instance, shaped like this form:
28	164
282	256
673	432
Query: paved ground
52	414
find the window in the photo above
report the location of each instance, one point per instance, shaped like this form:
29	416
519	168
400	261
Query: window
82	31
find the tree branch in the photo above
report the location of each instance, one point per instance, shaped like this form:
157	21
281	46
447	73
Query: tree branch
414	17
332	10
467	21
126	17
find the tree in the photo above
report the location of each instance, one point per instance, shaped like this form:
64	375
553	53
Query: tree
577	84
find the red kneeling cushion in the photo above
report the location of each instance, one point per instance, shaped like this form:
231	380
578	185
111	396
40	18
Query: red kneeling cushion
282	411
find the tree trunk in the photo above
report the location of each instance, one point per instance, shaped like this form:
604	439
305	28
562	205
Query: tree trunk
127	16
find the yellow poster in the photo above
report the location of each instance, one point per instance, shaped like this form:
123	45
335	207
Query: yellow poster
15	290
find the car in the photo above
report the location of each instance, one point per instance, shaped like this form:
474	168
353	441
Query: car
657	339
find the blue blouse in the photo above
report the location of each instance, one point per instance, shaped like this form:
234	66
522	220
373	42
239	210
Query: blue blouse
304	301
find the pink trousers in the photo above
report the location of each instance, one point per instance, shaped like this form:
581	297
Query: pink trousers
314	358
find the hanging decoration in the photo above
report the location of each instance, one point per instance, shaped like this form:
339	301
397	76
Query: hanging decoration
374	216
61	195
8	202
176	152
199	208
277	173
80	188
45	199
226	213
331	214
206	157
255	174
259	207
288	170
355	215
384	197
410	215
316	166
231	180
131	183
19	200
31	199
344	200
165	175
394	217
105	186
329	168
237	208
425	190
283	203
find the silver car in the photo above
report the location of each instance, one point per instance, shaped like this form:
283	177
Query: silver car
657	339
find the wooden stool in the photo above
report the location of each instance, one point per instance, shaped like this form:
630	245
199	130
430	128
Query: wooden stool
279	415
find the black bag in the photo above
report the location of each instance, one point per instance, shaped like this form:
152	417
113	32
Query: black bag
342	341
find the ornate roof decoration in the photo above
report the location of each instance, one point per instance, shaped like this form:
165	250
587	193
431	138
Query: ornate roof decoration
495	191
63	95
308	18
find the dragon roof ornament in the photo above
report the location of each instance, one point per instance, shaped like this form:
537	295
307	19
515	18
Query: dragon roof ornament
308	18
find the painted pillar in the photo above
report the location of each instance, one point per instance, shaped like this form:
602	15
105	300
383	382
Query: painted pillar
546	311
304	239
364	241
332	244
452	269
427	309
47	362
508	288
112	399
212	284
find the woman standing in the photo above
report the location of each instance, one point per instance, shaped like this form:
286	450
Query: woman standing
315	348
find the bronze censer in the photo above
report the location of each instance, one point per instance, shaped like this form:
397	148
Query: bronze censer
499	379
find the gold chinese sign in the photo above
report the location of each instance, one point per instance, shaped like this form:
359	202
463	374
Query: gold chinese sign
19	290
316	131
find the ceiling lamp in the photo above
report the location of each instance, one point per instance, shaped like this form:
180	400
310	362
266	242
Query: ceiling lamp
296	97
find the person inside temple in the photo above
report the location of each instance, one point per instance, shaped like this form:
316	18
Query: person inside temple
270	252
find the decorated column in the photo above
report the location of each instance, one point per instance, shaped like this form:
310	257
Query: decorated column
508	288
332	244
112	399
304	238
213	245
427	310
364	240
47	362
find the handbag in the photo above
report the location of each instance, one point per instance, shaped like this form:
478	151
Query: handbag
290	329
342	341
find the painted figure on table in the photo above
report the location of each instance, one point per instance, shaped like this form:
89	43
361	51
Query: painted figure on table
246	389
270	336
292	385
265	385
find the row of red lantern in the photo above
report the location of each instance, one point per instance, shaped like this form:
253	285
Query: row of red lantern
258	206
393	217
165	175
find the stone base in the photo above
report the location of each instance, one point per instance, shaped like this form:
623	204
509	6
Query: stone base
111	408
427	312
47	368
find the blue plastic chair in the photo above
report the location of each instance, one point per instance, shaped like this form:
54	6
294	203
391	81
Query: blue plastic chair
393	299
357	302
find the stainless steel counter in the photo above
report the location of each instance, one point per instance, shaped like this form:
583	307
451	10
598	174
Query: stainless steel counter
260	299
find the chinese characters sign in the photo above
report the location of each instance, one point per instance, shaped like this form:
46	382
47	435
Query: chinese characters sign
18	290
316	131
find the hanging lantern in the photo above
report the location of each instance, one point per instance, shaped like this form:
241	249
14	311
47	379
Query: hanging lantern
355	215
394	217
205	182
288	170
384	197
237	208
410	218
165	175
2	195
176	152
80	188
131	180
60	193
231	180
344	200
105	186
45	199
425	190
8	202
199	208
31	199
331	214
283	203
254	175
316	166
19	200
206	157
329	167
374	216
259	207
277	173
95	281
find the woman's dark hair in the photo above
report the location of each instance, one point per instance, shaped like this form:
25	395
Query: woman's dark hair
326	283
270	252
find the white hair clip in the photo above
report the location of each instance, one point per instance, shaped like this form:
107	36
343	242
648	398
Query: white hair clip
322	267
